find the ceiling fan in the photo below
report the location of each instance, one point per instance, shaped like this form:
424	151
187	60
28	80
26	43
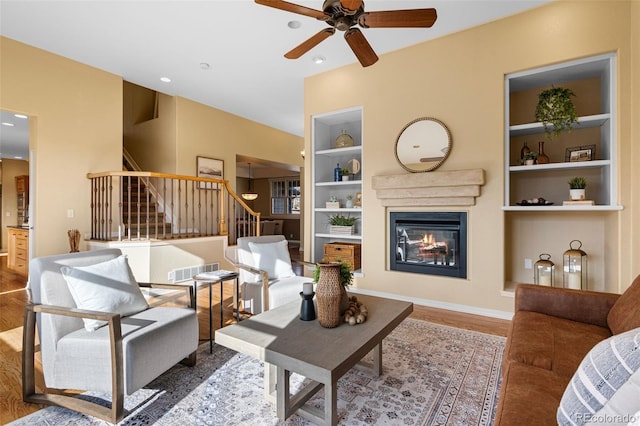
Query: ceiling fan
344	15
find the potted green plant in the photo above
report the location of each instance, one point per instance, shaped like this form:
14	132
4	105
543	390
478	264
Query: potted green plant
529	158
346	276
349	203
345	173
340	224
332	203
556	111
577	187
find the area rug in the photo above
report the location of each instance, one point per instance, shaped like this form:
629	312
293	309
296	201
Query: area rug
432	375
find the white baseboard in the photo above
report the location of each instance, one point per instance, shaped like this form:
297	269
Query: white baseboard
438	304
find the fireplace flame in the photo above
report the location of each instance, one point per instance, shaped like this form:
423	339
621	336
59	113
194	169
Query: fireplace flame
429	243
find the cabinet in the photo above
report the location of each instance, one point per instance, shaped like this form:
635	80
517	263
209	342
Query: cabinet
593	81
18	250
325	128
22	195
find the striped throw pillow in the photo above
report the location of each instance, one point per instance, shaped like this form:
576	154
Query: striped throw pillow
606	387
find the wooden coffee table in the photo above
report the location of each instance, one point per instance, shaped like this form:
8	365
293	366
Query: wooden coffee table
280	339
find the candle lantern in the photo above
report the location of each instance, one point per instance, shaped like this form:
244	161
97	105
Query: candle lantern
575	267
543	271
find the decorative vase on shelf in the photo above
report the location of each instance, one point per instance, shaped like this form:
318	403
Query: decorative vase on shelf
344	140
329	294
524	150
542	157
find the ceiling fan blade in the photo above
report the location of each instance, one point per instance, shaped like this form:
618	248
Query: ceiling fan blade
351	6
309	44
295	8
361	47
422	18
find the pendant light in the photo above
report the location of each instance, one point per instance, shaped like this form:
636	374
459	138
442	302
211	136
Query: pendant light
249	195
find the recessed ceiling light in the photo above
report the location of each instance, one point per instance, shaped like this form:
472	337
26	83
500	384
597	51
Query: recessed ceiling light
318	59
294	25
204	66
20	116
17	157
165	79
7	124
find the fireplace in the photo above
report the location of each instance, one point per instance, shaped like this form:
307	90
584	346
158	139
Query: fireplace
433	243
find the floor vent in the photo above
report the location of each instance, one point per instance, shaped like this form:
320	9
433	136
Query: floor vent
186	274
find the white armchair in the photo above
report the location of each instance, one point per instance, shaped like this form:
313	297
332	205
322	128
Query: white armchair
72	296
267	279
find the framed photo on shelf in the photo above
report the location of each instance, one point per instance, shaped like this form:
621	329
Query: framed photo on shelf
580	153
211	168
358	200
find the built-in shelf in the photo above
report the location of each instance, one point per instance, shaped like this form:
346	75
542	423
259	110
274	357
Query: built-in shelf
560	208
537	128
341	183
338	152
340	210
340	236
325	128
531	230
560	166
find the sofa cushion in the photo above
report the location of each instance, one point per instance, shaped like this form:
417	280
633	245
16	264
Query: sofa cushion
624	314
273	258
106	287
610	373
529	395
550	343
146	352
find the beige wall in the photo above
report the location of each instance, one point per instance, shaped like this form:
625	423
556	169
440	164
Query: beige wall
459	79
76	121
76	116
208	132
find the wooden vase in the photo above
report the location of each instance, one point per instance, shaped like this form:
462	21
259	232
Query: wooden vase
329	293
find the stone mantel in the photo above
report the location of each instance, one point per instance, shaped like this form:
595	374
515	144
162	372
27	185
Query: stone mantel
439	188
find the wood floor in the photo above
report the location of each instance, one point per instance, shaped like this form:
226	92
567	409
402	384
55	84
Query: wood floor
13	297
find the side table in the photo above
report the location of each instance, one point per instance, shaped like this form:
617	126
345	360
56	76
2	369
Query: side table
209	279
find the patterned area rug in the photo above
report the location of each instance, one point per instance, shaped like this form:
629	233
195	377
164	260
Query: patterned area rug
432	375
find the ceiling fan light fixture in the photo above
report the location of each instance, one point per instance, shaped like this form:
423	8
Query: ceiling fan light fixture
294	25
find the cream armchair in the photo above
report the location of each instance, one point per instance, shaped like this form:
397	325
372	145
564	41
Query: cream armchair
267	279
72	296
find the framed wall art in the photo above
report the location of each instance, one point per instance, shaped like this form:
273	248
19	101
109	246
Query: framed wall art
580	153
211	168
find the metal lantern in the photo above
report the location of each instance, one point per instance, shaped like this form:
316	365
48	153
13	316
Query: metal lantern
543	271
575	267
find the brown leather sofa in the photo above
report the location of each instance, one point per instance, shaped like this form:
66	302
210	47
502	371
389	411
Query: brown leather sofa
551	332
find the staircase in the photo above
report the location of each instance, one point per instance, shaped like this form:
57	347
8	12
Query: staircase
140	213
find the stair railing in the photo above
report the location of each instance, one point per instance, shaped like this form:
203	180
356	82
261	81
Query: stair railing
137	205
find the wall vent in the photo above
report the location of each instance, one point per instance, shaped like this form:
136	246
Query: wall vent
186	274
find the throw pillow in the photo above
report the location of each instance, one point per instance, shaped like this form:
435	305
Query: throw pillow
106	287
606	386
273	258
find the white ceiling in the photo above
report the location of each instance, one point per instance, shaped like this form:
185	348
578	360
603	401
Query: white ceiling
243	42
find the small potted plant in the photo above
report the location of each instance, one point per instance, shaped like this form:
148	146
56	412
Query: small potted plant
332	203
340	224
529	158
555	110
577	187
345	173
349	203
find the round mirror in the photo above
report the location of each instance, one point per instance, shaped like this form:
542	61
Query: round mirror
423	145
